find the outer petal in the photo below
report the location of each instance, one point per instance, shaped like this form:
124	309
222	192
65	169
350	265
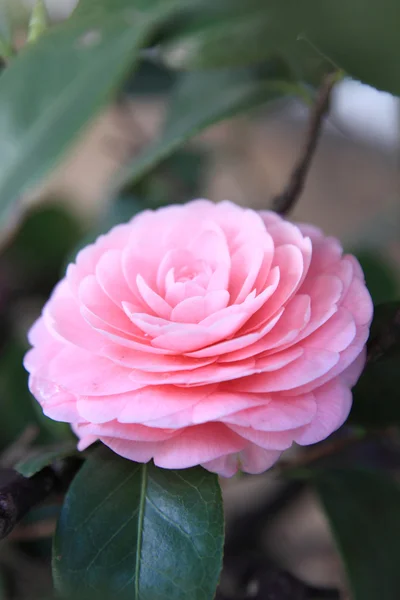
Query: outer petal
197	445
333	406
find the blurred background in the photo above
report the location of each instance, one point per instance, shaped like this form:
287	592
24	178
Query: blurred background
352	192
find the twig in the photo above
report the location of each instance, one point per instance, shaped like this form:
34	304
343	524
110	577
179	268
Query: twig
285	201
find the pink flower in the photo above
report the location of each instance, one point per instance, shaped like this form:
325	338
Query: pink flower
203	334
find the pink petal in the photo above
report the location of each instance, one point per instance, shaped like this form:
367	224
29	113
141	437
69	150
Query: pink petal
289	260
187	338
159	363
347	357
335	335
141	452
220	404
131	432
351	375
269	440
210	245
241	347
110	277
93	297
101	409
190	310
358	301
280	413
333	407
56	403
295	317
62	317
87	259
225	466
196	445
84	373
203	375
155	402
307	368
246	264
153	301
255	460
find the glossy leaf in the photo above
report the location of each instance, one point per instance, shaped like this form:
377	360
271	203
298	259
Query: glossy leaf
200	100
376	395
134	531
55	87
363	510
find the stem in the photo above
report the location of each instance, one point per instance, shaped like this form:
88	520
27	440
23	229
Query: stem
288	198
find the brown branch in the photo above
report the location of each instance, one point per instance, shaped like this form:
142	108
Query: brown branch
285	201
18	494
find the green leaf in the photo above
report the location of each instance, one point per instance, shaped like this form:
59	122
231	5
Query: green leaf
360	36
40	246
55	87
43	457
140	8
259	28
198	101
376	395
135	531
363	509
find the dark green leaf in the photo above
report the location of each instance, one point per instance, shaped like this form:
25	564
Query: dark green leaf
200	100
150	80
360	36
376	395
42	457
55	86
363	509
139	532
232	33
40	246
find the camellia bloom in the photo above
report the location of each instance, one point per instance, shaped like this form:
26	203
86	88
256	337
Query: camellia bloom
203	334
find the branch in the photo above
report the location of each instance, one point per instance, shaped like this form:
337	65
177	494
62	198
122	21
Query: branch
285	201
18	494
